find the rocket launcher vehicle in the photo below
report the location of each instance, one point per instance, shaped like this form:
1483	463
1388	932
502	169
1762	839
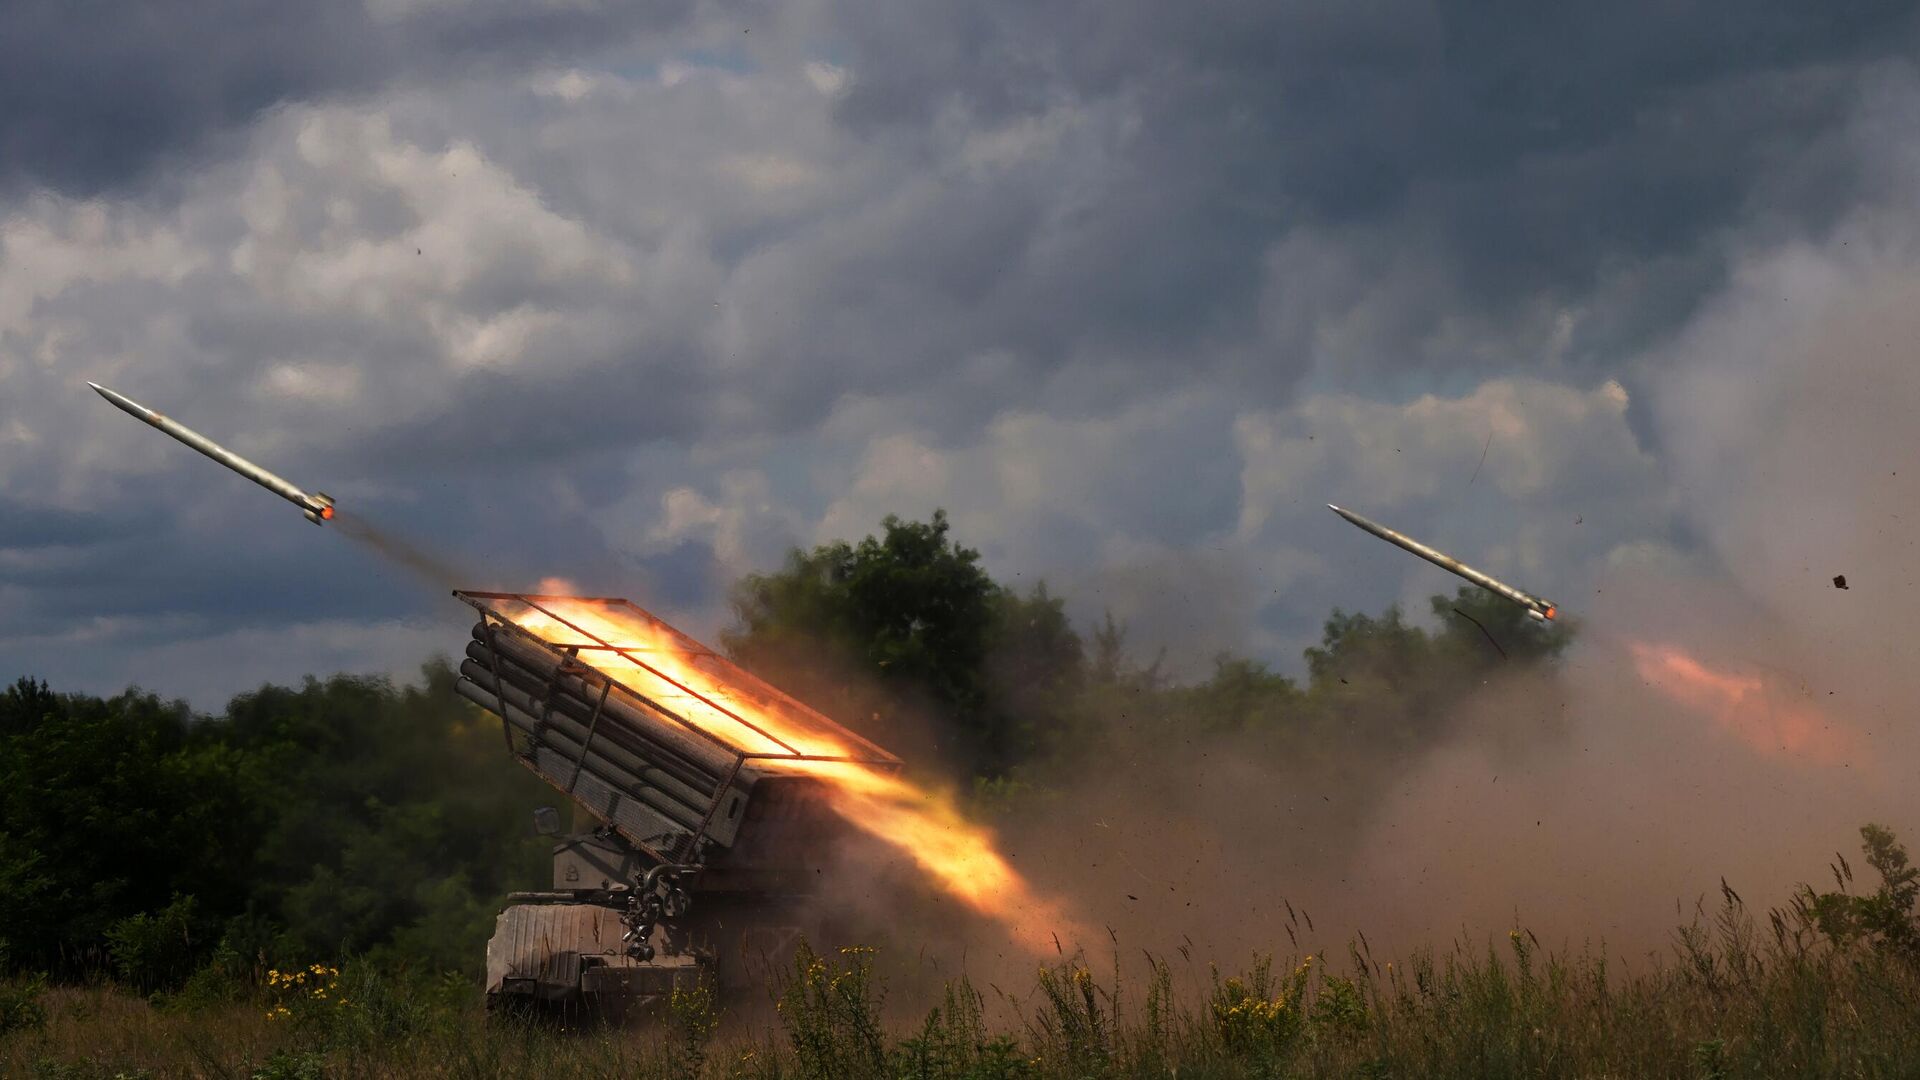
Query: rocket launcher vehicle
702	781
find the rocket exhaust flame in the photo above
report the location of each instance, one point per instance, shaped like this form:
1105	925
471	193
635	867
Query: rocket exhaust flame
1751	707
710	694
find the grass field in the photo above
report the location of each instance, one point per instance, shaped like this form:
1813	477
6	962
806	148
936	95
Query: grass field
1780	995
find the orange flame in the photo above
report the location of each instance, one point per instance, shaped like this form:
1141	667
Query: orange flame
927	826
1752	708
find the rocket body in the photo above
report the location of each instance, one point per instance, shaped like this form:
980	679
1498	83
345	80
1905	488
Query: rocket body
1535	606
318	505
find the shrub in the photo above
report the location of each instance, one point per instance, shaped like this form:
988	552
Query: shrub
1074	1020
831	1012
1885	918
1339	1008
155	950
953	1044
303	994
1256	1018
20	1006
360	1008
695	1015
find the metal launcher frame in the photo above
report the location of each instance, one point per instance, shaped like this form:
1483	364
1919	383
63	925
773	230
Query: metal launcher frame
672	788
724	805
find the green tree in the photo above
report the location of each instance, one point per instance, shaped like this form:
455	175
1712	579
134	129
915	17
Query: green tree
1480	631
1241	694
388	806
343	816
1035	679
908	624
1884	918
108	808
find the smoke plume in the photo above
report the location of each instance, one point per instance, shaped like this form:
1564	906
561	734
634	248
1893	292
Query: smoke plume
427	567
1727	712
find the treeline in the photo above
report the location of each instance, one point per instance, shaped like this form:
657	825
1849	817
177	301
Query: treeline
905	637
352	817
342	817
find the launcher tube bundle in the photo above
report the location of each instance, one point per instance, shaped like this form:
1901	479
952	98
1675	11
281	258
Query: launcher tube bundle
679	750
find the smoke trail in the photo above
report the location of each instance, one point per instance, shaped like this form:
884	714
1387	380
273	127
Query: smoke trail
430	568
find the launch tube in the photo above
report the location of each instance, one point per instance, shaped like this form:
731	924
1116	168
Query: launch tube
623	704
580	707
609	773
576	729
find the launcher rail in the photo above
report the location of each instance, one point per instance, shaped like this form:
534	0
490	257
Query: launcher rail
673	788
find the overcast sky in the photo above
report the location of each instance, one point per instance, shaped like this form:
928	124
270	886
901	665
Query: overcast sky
642	295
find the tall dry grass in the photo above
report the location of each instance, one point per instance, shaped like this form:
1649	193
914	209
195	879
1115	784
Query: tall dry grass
1738	997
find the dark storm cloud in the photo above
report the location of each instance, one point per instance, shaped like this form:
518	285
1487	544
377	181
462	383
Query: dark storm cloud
530	421
1533	147
97	93
548	292
1207	191
26	526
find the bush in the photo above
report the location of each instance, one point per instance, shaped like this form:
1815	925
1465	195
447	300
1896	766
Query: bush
831	1011
695	1016
953	1044
20	1006
1254	1017
155	950
1074	1022
232	974
1885	918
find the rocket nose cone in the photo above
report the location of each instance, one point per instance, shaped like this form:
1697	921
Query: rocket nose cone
124	404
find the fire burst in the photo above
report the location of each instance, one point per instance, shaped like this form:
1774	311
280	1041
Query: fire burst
1752	708
924	825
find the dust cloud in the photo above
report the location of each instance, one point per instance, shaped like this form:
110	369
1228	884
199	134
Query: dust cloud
1591	800
1582	799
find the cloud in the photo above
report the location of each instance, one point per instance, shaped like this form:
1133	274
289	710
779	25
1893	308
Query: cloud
99	100
1201	522
1781	408
1131	296
182	661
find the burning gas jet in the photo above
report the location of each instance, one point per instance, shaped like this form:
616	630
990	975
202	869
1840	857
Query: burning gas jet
1542	610
318	506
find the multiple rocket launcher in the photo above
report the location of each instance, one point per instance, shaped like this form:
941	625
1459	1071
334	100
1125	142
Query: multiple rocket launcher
318	506
735	797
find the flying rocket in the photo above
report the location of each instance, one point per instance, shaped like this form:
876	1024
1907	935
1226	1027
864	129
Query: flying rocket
318	506
1542	610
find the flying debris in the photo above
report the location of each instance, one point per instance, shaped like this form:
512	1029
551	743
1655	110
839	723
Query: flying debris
318	505
1542	610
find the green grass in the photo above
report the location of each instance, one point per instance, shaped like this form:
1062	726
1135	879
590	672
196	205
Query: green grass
1739	997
